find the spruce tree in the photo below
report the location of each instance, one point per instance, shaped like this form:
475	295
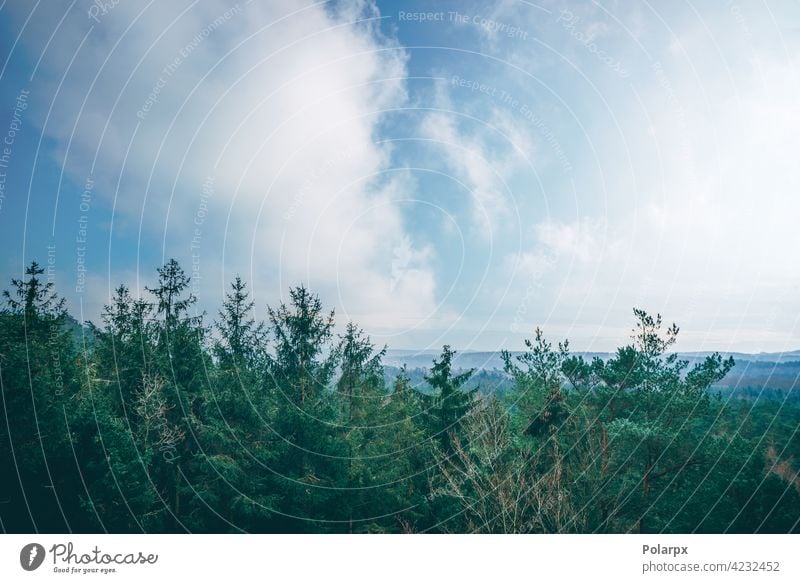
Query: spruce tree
39	378
360	394
239	446
449	403
312	461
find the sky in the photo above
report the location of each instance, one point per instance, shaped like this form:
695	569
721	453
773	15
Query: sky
438	172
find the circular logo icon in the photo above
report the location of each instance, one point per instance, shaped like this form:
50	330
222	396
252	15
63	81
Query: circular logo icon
31	556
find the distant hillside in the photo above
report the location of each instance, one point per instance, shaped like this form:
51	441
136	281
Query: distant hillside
762	375
80	334
492	360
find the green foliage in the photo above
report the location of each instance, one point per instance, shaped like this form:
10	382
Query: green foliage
39	378
656	415
160	423
450	403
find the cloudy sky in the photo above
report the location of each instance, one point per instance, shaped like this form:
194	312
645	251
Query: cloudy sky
439	172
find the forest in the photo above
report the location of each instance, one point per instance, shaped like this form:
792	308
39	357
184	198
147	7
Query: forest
162	420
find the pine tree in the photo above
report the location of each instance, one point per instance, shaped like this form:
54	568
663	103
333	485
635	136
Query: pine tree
235	430
404	460
551	437
39	378
360	394
172	305
241	340
653	409
300	374
124	346
450	403
181	371
118	448
155	425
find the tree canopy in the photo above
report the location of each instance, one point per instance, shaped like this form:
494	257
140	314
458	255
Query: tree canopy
156	420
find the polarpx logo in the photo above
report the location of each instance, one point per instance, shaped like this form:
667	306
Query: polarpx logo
31	556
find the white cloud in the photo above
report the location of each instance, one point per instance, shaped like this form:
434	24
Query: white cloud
277	105
580	240
482	151
688	170
470	164
562	246
696	178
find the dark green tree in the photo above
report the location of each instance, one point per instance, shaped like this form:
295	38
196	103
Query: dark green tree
406	460
552	441
312	462
656	413
241	340
178	383
238	445
150	422
360	394
39	378
450	402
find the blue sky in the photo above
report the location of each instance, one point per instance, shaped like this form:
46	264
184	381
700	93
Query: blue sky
440	172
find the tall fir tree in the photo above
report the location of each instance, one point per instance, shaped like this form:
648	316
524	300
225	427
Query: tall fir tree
360	393
300	370
449	403
39	379
238	445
